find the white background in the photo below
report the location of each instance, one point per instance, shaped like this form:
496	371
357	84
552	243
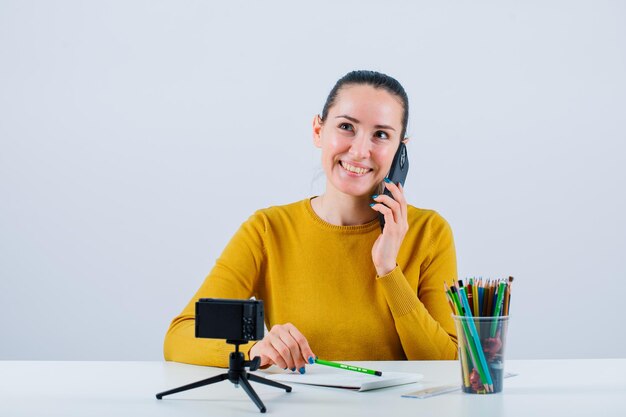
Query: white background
136	136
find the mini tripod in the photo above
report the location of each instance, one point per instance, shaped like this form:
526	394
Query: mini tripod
236	374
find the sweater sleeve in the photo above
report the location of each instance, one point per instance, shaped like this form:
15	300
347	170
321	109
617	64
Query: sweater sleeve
423	319
235	275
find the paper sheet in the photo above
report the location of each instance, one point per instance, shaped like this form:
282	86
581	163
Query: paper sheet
345	379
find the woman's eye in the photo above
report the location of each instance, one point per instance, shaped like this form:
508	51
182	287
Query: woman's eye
382	135
346	126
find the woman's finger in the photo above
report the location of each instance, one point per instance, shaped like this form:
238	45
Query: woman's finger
306	352
283	350
284	346
385	211
390	203
403	202
397	191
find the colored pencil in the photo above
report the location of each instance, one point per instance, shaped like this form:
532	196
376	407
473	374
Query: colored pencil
475	299
483	369
494	323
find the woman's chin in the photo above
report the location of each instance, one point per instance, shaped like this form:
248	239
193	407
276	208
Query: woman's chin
353	185
356	190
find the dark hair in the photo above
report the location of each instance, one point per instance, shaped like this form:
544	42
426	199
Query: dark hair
376	80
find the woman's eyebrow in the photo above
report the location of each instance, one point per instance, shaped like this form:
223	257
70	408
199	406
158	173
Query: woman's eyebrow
352	119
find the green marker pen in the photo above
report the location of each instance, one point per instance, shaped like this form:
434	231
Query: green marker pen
348	367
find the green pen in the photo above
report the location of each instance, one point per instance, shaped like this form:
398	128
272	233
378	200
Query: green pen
348	367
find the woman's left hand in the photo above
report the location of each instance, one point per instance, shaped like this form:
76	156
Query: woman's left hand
386	248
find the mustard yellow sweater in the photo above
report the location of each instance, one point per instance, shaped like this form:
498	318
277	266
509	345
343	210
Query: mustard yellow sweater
321	278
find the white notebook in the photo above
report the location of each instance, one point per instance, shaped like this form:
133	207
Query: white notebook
329	377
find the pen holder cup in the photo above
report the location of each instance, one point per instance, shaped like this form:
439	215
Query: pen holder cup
482	341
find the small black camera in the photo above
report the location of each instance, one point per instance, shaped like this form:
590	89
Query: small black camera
237	320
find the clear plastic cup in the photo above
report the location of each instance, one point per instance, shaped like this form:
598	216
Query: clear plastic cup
482	341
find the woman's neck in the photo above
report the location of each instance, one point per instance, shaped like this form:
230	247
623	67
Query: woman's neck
342	209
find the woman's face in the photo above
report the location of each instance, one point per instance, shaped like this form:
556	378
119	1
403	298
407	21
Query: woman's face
359	138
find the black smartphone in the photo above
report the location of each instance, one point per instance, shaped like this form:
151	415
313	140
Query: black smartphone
397	174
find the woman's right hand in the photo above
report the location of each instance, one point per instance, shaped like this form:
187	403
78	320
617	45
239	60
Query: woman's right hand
284	346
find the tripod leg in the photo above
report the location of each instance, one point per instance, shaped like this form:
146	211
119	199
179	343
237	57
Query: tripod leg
251	393
193	385
266	381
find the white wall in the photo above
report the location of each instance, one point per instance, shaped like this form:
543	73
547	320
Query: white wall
135	137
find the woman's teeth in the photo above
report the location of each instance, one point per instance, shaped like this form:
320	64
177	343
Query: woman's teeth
356	170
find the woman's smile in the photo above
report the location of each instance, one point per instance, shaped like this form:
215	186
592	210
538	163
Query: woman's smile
358	139
354	169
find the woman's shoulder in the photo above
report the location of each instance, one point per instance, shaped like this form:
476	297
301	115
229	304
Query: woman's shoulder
295	206
420	218
281	213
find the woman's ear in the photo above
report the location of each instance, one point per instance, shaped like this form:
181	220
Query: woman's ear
406	140
317	130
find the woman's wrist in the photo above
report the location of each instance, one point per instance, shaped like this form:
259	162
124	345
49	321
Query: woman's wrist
385	269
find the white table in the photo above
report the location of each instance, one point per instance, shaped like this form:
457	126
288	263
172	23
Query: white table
542	388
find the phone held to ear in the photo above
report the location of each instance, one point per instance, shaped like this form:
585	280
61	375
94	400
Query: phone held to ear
397	174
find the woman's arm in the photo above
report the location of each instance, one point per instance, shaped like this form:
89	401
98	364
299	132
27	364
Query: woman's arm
423	318
235	275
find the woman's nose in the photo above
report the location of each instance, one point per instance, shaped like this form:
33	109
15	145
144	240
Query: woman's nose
360	148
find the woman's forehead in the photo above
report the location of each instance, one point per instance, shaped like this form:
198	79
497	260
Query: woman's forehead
368	105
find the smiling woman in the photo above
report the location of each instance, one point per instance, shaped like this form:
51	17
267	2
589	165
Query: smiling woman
333	284
358	141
